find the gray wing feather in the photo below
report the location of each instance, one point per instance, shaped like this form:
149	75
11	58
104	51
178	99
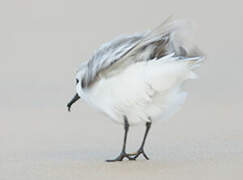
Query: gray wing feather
108	54
152	45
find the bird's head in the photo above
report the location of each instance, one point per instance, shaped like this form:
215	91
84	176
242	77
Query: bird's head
79	87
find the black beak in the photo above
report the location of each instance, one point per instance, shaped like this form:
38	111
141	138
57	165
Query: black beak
75	98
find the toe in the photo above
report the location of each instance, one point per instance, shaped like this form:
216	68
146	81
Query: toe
145	155
140	151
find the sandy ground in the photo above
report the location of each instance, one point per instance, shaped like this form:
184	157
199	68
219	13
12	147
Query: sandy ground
63	146
43	42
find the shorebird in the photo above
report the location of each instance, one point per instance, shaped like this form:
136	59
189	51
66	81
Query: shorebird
138	79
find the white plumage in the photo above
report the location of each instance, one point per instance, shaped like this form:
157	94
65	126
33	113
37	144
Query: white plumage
143	91
140	76
138	79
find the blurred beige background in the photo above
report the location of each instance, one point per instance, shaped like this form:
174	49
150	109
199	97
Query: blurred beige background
42	43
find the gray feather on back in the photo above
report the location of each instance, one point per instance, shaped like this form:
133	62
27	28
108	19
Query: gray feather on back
119	53
108	54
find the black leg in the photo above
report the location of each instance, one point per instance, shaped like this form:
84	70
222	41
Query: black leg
123	153
141	149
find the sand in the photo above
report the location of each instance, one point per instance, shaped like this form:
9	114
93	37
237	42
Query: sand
67	147
43	42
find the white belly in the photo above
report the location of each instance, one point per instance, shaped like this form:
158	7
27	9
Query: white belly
157	107
139	93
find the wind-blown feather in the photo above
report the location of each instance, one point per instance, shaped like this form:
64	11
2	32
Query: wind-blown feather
116	55
108	54
140	76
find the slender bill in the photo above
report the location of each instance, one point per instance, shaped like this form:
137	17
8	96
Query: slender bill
75	98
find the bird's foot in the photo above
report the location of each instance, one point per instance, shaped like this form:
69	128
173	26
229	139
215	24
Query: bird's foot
140	151
121	157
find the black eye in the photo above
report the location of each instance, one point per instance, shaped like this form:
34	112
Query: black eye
77	81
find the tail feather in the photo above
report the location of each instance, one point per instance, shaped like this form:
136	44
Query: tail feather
169	37
178	33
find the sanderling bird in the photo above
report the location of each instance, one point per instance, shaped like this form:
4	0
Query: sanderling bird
139	78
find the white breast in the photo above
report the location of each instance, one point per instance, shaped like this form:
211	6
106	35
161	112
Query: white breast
144	90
